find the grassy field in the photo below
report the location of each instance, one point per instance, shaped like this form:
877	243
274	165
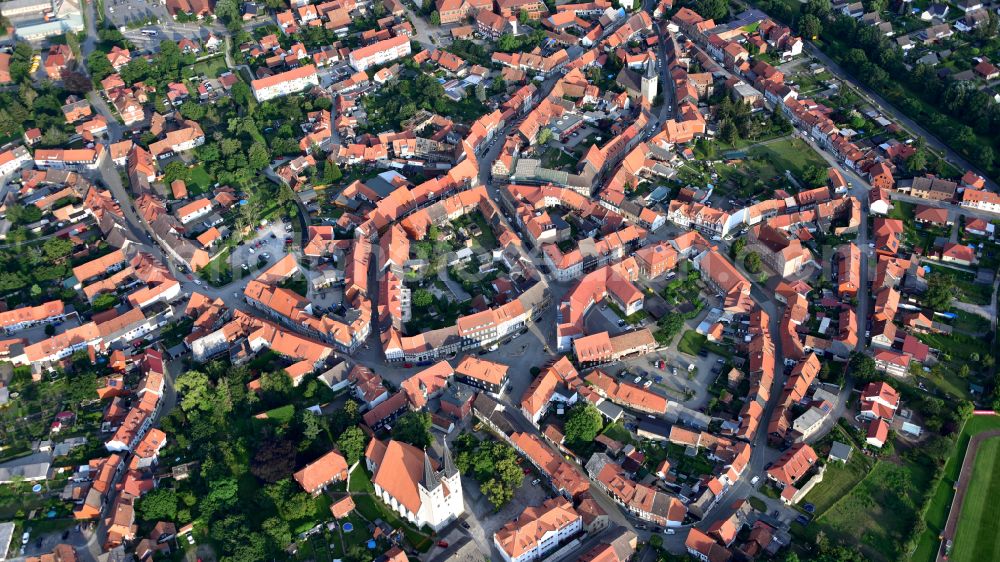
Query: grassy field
793	155
972	324
976	537
199	182
937	512
212	67
877	514
618	432
283	414
838	480
692	342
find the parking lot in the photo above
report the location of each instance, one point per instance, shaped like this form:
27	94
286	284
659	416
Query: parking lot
484	521
125	12
265	248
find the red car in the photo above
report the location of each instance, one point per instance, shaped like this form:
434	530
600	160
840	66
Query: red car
443	544
527	471
407	365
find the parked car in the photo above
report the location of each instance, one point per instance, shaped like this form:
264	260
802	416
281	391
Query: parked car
536	481
443	544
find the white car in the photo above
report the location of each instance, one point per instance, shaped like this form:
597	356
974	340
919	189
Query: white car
647	384
25	537
637	380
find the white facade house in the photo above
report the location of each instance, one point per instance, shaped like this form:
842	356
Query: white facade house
12	160
380	52
285	83
538	531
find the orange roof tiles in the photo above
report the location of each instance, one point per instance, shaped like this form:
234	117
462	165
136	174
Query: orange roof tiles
331	467
535	523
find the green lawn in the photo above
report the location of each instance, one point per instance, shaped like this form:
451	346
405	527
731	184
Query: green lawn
972	324
977	538
937	512
838	480
692	342
219	271
618	432
793	155
199	181
283	414
212	67
878	514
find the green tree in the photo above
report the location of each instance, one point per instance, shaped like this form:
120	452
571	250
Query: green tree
331	172
352	443
583	423
507	43
496	493
414	428
737	248
105	301
53	136
57	248
544	135
810	27
862	367
422	298
345	417
752	263
940	291
276	528
176	170
229	13
435	18
277	382
258	157
221	496
292	503
312	425
917	162
196	392
158	504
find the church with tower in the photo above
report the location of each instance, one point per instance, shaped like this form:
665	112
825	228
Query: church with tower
423	490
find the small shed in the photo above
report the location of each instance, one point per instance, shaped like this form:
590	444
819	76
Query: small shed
840	452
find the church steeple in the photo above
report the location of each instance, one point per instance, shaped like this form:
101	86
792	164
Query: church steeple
449	466
430	480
